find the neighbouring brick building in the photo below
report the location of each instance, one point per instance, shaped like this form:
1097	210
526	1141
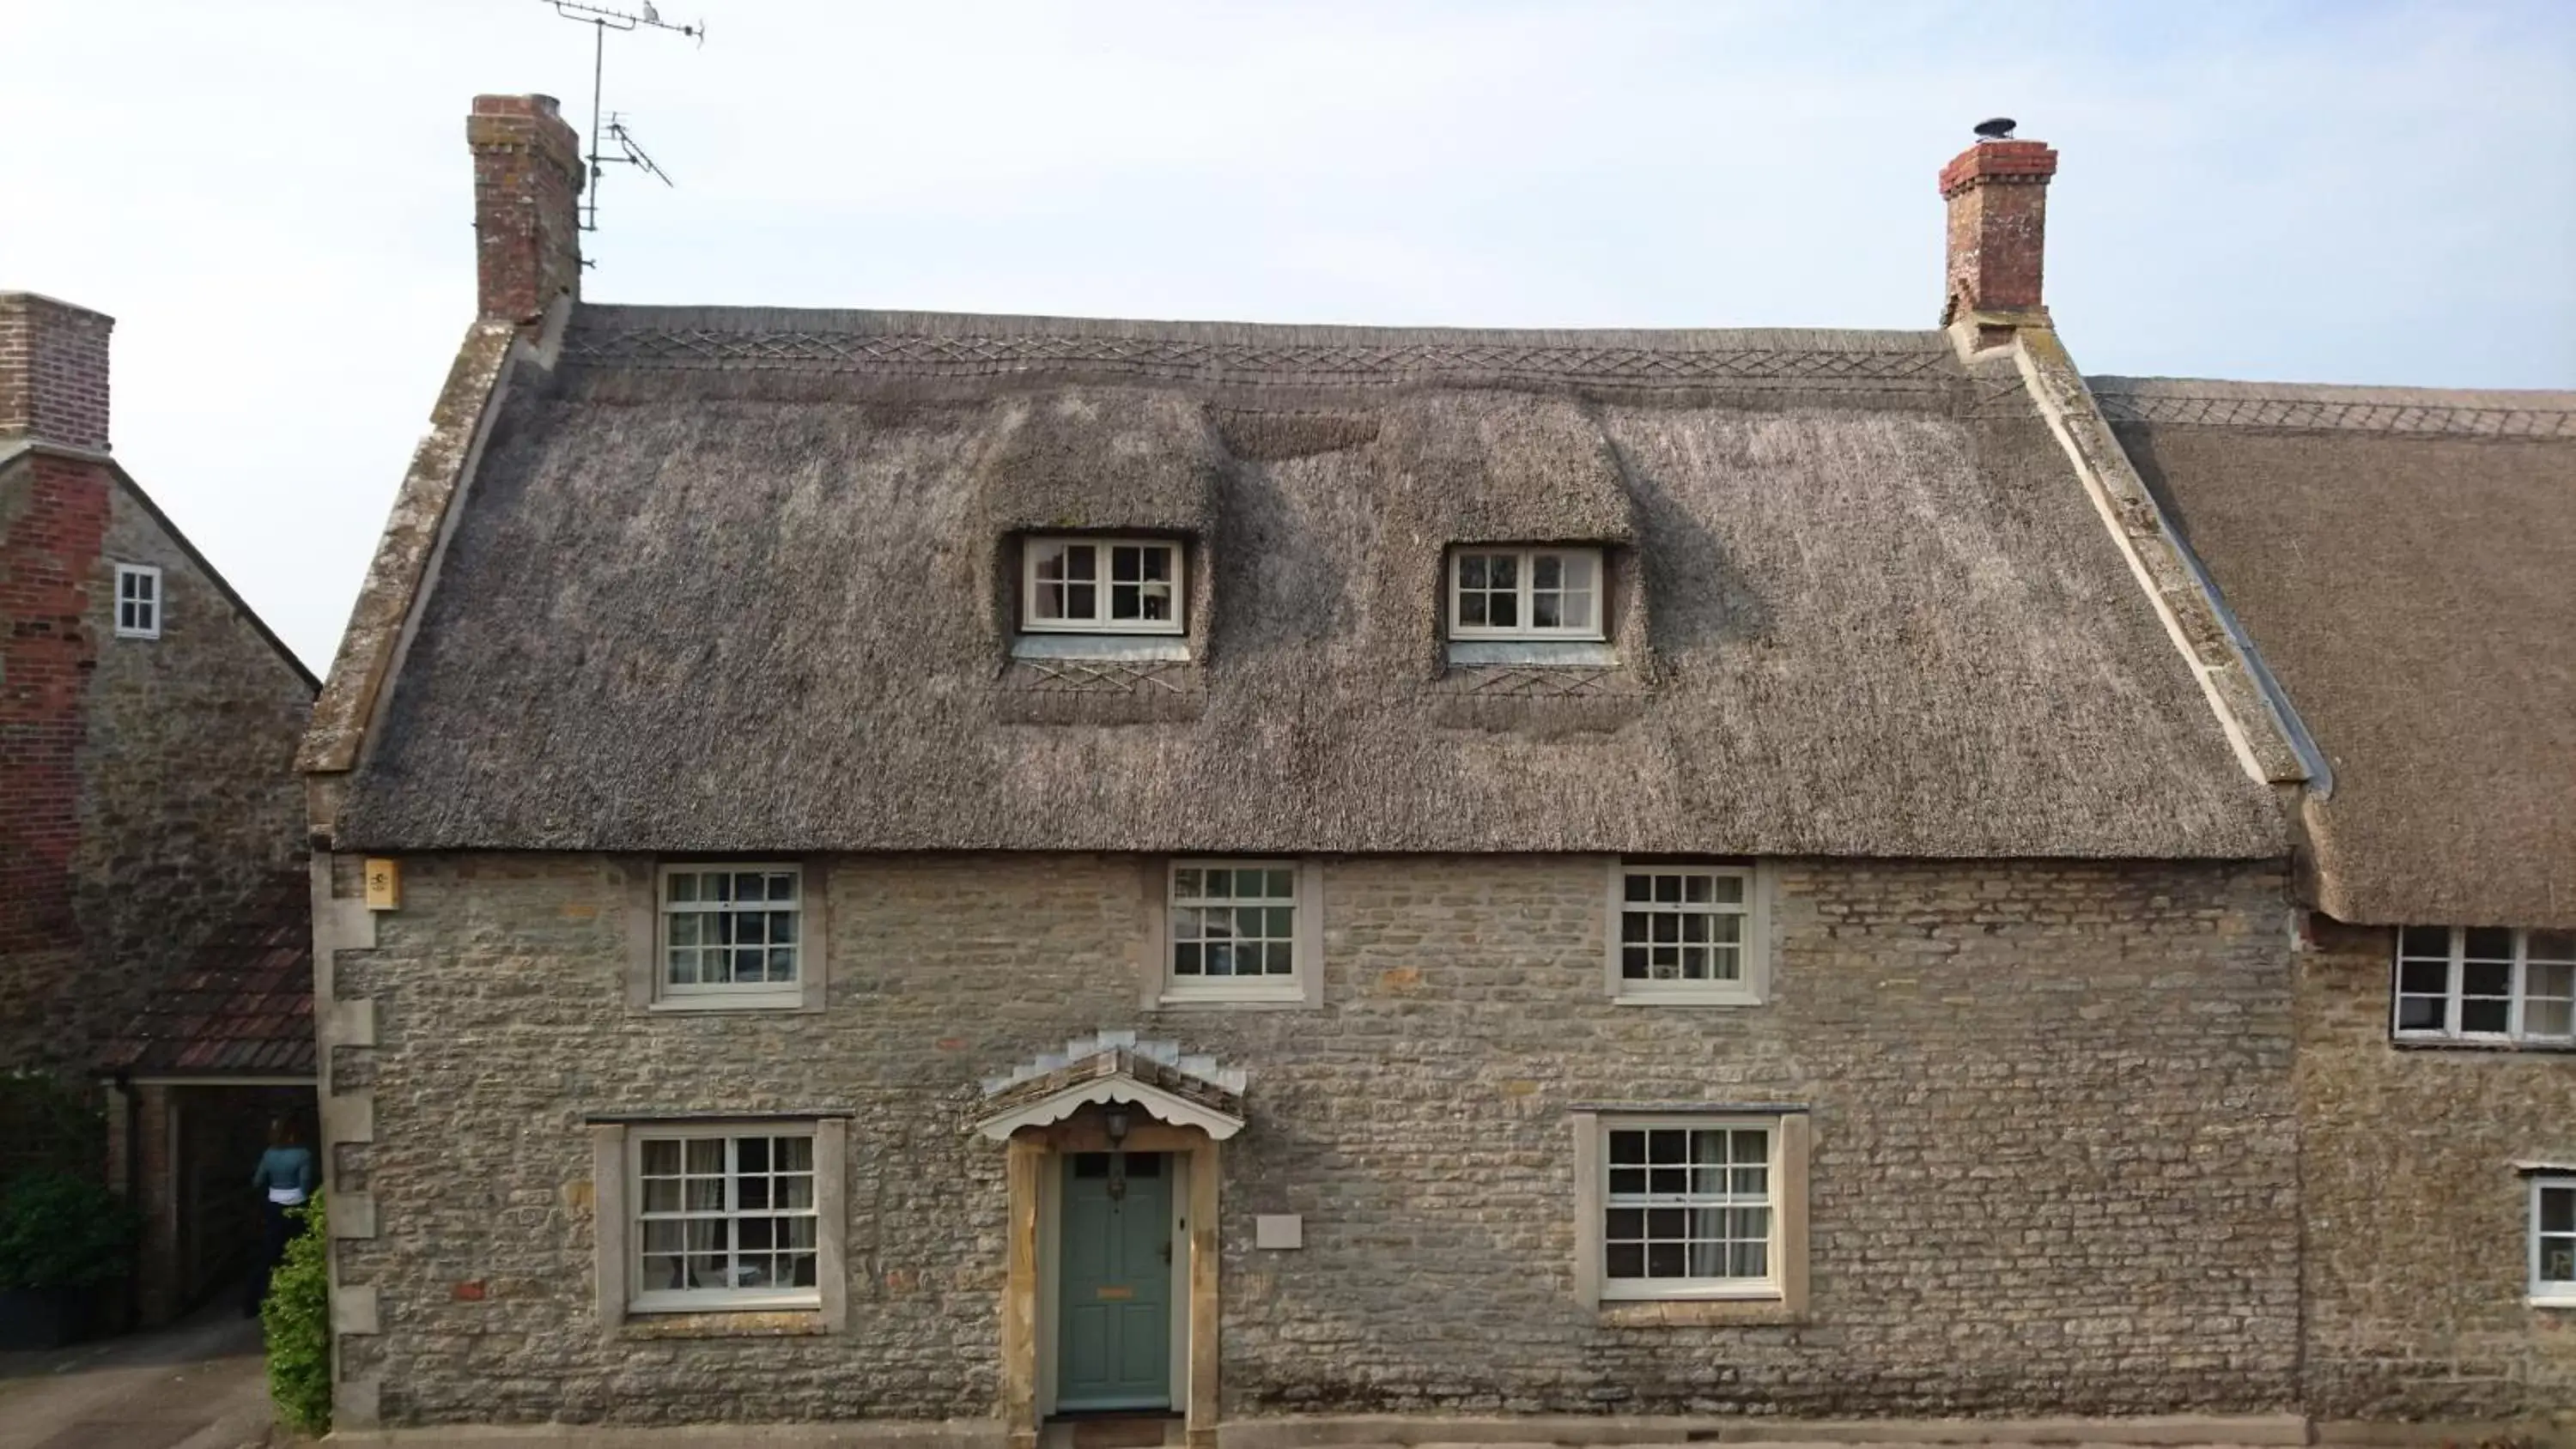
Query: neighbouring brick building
149	811
912	869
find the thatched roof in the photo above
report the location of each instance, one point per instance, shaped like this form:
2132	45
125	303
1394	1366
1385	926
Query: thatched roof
738	580
2405	559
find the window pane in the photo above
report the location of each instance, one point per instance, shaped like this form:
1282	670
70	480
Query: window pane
2419	1013
2485	1017
682	887
1503	571
2489	943
1502	611
2558	1209
1283	885
705	1154
2546	1018
661	1157
1625	1260
1546	611
1547	571
1081	601
2486	978
2552	946
2431	978
2426	941
1639	887
1628	1146
1471	571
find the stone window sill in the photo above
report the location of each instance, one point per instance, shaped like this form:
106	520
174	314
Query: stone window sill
749	1001
1696	1312
786	1323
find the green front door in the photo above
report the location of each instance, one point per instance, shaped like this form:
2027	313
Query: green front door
1114	1315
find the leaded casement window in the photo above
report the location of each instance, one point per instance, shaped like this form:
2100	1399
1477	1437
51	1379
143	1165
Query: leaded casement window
1101	585
1525	593
731	929
1237	930
138	601
1689	1209
2486	984
724	1219
2553	1241
1685	933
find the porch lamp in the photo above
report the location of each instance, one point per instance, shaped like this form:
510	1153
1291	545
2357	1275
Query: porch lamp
1116	1121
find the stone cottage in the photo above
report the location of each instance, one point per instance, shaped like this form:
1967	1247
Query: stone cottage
153	929
894	868
2405	558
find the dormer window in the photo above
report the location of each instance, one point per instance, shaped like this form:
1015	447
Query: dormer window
1525	593
1101	586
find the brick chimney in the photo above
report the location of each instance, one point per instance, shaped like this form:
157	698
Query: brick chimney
1998	195
53	372
527	233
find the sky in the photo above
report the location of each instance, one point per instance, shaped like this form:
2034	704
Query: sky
273	196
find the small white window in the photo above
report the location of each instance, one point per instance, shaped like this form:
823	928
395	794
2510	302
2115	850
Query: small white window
2486	984
1690	1209
1525	593
1687	934
724	1219
1101	586
1236	931
731	930
138	601
2553	1241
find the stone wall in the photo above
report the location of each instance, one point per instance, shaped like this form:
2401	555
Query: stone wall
2053	1166
150	782
2417	1223
189	798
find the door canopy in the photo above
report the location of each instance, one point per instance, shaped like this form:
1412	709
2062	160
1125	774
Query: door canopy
1185	1091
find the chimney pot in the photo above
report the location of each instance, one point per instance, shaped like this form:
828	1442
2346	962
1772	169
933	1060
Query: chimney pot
1998	195
53	372
527	185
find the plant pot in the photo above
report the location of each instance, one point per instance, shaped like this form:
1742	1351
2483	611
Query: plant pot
44	1317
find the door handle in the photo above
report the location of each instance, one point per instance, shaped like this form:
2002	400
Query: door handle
1167	1252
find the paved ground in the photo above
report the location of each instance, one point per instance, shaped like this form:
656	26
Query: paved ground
196	1385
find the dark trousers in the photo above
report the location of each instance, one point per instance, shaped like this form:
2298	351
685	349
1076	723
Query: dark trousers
275	1229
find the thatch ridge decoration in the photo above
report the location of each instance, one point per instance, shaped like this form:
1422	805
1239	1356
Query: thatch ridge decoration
2207	402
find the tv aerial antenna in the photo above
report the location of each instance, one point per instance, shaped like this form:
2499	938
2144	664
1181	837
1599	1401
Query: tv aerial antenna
630	152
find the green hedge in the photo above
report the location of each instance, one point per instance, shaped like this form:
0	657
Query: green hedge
296	1318
61	1230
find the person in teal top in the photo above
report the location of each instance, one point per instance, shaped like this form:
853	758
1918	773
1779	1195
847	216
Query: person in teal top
286	1177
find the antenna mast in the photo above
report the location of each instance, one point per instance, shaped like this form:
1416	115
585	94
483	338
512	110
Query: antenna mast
602	20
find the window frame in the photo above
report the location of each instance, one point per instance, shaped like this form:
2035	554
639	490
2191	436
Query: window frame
1100	622
150	575
1752	987
2454	996
791	993
1527	554
642	1300
1302	986
2552	1293
1783	1301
